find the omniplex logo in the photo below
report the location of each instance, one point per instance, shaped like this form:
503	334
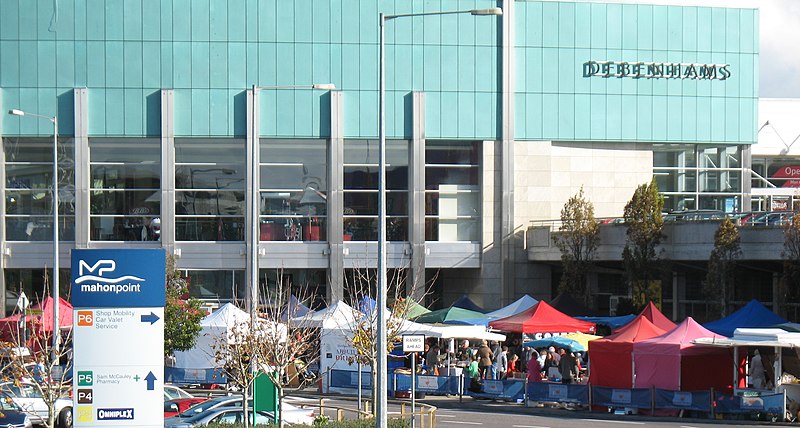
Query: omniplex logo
99	282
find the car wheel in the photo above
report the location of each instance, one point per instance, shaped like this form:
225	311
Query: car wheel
65	418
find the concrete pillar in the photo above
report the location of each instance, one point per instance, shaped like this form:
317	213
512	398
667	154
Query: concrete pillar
168	170
82	168
335	203
416	215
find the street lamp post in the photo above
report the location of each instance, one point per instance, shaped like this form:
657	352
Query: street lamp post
55	291
381	383
254	201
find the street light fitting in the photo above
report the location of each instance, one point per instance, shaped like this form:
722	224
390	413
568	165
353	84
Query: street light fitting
15	112
324	86
488	11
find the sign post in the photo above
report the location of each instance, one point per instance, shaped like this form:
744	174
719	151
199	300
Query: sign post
118	347
413	343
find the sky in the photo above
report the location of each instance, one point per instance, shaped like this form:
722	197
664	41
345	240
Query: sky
779	50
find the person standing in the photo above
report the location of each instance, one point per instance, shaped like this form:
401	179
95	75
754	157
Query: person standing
758	378
568	367
501	364
534	368
432	360
484	360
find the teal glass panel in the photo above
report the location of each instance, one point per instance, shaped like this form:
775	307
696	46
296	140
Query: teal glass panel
745	77
566	116
166	23
674	29
81	67
66	13
65	58
466	68
659	118
449	104
534	30
449	56
97	114
568	70
133	114
614	117
535	115
717	119
674	118
46	63
614	26
583	117
237	75
9	20
689	120
566	25
236	20
732	36
466	114
520	116
630	35
598	119
660	29
114	20
718	30
703	119
583	34
747	121
486	119
598	13
132	63
644	117
132	10
549	72
151	20
550	24
200	112
627	124
115	118
732	119
550	115
534	72
220	104
27	23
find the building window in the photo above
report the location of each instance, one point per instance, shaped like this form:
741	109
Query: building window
221	286
361	190
293	190
452	191
308	284
698	177
29	184
125	189
209	190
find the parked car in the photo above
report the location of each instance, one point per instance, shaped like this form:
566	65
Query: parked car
12	415
172	392
695	215
179	405
28	397
289	413
772	218
223	415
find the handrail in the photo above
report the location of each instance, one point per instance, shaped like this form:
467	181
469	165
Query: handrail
424	410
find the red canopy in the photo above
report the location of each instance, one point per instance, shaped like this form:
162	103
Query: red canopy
43	317
542	318
657	317
610	358
671	361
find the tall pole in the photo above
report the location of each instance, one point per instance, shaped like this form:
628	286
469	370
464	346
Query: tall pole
56	293
54	281
381	419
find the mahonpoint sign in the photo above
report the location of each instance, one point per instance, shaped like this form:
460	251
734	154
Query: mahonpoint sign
656	70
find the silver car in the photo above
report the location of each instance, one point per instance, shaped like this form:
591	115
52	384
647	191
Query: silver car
28	397
224	415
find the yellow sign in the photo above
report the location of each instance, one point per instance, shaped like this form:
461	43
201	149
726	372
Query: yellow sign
85	414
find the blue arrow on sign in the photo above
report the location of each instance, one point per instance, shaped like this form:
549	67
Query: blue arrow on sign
152	318
151	380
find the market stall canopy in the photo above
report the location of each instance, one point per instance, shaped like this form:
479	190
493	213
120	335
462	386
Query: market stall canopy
337	315
655	316
521	304
542	318
582	338
293	309
674	362
41	314
611	357
751	315
414	308
558	341
611	322
466	303
568	305
214	328
451	315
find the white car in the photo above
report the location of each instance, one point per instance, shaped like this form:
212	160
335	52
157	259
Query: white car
29	399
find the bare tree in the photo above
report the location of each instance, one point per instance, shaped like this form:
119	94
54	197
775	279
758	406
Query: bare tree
720	281
578	239
360	287
270	343
31	357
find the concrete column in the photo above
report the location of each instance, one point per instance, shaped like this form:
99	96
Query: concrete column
416	215
335	290
508	253
82	171
747	178
168	170
252	198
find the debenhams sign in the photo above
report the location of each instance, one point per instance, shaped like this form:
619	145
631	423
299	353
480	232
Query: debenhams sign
656	70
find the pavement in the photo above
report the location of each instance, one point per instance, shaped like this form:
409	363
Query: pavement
553	410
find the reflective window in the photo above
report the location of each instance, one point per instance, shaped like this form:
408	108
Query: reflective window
209	189
29	184
217	285
360	194
125	189
293	190
310	284
452	191
698	176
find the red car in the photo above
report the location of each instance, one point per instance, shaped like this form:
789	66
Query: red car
179	405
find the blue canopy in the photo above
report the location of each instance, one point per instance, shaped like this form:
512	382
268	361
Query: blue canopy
558	341
293	309
751	315
464	302
524	302
613	322
366	305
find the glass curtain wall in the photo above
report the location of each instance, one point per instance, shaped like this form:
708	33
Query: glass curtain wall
361	190
698	177
309	285
209	189
293	190
452	191
125	189
220	286
778	180
29	184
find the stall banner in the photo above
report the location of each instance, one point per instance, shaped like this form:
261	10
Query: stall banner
697	400
349	379
767	403
194	376
509	389
442	385
560	393
640	398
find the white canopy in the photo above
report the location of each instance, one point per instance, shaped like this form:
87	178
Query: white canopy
337	315
213	328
